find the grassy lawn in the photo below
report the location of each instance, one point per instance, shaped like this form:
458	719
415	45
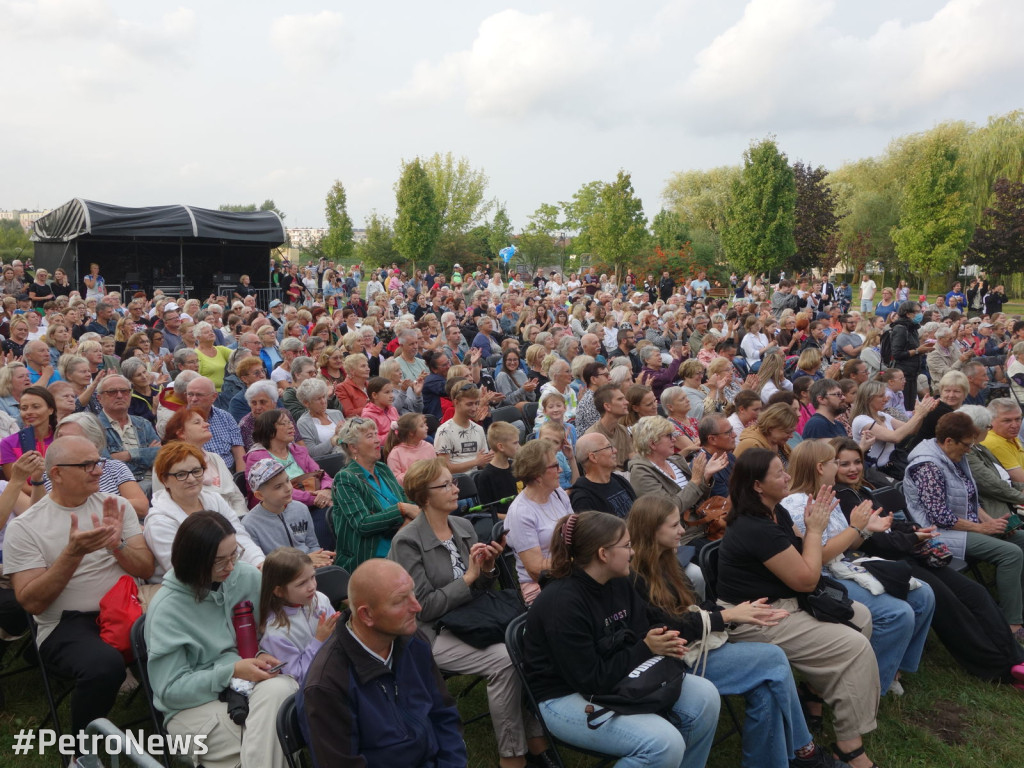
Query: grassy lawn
945	719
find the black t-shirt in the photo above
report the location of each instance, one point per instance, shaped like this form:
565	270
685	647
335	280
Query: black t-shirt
493	483
748	542
818	426
615	497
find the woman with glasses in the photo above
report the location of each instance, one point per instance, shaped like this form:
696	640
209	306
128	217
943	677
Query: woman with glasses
533	514
194	654
369	505
181	467
189	425
450	568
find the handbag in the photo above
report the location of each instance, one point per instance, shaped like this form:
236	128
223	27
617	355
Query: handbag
933	553
308	481
652	688
119	610
482	621
697	652
711	513
828	602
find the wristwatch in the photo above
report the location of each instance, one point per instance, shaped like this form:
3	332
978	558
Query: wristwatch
37	483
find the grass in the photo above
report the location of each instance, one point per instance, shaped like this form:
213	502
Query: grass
946	718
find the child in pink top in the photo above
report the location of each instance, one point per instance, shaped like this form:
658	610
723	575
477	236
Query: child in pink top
380	408
408	444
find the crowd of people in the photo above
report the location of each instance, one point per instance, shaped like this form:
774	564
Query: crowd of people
217	452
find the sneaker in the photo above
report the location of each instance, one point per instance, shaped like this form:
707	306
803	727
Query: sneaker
541	760
896	688
820	759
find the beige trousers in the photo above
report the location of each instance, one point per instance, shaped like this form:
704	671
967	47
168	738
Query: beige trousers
253	745
836	661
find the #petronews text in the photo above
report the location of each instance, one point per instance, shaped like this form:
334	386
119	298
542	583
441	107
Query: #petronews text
131	743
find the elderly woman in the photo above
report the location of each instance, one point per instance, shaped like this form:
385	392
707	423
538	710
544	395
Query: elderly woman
512	381
941	492
532	515
249	371
869	414
189	425
485	341
945	356
352	391
144	391
261	396
302	368
449	569
269	353
274	438
772	430
319	425
658	469
369	505
194	653
14	380
185	359
233	384
74	369
677	408
953	388
180	466
408	394
560	373
117	478
654	373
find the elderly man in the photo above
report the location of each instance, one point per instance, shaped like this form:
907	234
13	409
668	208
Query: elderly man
375	664
611	403
700	328
599	488
106	320
408	354
131	439
592	346
63	555
250	341
227	439
717	437
40	366
171	318
1002	439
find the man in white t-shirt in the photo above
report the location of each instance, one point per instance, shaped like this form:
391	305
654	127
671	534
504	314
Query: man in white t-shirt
867	294
63	555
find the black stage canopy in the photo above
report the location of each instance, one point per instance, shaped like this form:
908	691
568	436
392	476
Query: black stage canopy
181	249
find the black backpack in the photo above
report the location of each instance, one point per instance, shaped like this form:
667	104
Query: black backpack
885	348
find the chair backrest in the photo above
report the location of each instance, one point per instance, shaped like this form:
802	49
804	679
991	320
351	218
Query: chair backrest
529	416
141	653
332	463
507	413
241	483
709	567
289	735
508	577
467	485
332	580
515	633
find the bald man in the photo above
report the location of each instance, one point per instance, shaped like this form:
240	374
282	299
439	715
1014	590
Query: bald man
373	695
599	488
39	365
63	554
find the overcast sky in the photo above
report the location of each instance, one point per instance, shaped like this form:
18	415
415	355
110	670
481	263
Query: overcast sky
141	103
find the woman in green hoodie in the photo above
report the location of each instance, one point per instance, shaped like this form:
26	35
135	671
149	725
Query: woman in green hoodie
193	655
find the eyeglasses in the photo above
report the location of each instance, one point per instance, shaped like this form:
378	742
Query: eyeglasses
220	563
554	466
968	446
605	448
621	546
88	466
197	394
187	473
447	486
119	392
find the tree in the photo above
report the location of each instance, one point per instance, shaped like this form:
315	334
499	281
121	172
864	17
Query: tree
499	231
14	241
816	225
999	242
418	223
701	198
337	243
576	212
935	213
536	249
759	232
669	230
378	250
458	192
616	229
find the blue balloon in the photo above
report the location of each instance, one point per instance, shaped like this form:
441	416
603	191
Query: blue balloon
507	253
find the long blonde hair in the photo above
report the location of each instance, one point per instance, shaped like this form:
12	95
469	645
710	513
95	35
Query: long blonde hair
803	465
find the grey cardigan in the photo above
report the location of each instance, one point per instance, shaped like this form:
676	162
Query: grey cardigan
307	431
995	495
420	552
647	478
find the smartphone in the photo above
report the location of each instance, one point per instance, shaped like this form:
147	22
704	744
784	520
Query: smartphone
274	669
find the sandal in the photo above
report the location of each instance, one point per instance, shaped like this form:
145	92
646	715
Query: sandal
807	696
846	757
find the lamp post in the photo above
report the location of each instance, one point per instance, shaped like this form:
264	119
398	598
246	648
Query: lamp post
561	262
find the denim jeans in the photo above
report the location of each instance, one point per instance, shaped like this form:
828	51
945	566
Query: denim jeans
644	741
774	726
900	628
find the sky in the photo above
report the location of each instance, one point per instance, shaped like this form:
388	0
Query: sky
208	103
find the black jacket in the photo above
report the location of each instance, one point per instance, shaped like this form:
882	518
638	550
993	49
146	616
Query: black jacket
905	339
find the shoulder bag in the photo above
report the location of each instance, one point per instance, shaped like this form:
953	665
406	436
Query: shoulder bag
652	688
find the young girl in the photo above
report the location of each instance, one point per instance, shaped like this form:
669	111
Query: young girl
295	618
380	408
552	406
408	444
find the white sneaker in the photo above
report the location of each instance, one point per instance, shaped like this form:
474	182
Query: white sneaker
896	689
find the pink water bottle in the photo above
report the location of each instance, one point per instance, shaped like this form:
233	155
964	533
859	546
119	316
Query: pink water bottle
245	630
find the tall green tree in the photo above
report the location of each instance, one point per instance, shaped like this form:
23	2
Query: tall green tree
760	217
459	191
418	223
701	198
379	248
999	242
337	243
575	215
669	231
815	223
499	231
14	241
935	213
616	229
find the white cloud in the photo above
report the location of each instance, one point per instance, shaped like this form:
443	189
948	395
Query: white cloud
518	63
310	43
784	63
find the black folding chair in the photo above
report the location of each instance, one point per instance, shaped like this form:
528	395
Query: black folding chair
142	658
708	561
529	415
332	580
332	463
508	577
289	735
